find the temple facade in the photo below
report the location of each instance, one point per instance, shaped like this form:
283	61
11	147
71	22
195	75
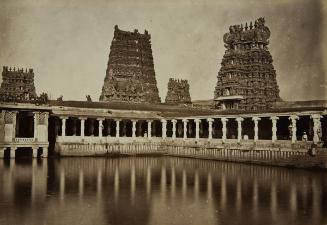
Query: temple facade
130	75
178	92
247	78
17	85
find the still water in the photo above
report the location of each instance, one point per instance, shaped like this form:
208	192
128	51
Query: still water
158	191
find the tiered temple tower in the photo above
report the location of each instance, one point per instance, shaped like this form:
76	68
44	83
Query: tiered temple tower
17	85
247	78
178	92
130	74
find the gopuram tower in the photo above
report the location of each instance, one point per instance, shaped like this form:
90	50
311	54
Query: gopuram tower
178	92
130	75
17	85
247	78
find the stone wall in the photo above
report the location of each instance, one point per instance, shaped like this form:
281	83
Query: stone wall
279	154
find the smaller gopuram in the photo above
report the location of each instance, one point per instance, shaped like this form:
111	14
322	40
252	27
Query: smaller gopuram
17	85
178	92
247	78
130	75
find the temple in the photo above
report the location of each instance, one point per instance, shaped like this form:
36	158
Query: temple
130	75
178	92
17	85
129	120
247	79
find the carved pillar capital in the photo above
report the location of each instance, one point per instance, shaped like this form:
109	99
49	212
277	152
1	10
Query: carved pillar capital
274	118
163	121
256	118
239	119
293	117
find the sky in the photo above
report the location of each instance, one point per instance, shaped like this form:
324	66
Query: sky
67	42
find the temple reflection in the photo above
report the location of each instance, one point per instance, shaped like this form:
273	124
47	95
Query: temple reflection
146	191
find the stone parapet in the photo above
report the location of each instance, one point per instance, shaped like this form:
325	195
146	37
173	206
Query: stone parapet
303	155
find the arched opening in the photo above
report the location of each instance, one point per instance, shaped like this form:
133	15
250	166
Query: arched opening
265	128
304	126
231	128
191	129
169	128
179	129
204	128
156	128
283	132
129	126
217	127
25	124
248	128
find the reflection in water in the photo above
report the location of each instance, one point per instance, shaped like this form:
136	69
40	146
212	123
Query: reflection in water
158	191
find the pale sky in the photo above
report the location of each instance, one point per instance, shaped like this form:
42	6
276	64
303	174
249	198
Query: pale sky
67	42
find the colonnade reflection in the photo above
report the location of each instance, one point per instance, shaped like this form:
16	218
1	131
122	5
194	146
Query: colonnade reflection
150	190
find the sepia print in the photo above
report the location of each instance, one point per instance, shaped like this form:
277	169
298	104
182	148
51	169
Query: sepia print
163	112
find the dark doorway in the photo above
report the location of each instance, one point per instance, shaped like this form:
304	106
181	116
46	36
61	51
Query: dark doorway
25	124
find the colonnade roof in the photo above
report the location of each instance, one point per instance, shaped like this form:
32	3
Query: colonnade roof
170	111
157	111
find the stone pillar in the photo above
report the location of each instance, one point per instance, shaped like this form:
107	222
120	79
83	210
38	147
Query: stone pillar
293	119
274	128
12	152
164	128
14	121
44	152
174	128
316	127
224	129
256	129
100	127
2	153
185	128
134	129
82	127
63	126
197	128
149	128
34	155
239	128
117	128
36	119
210	121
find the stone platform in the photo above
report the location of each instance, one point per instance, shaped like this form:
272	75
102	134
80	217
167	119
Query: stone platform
281	153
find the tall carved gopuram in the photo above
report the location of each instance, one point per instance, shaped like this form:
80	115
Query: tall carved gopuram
247	78
130	75
178	92
17	85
